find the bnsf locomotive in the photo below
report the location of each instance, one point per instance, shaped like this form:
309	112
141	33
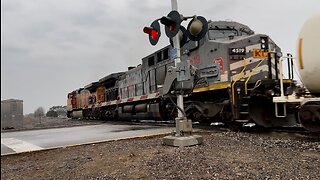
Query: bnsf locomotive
235	76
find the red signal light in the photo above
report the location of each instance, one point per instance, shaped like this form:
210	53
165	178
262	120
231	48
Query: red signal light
169	22
147	30
172	27
172	23
154	34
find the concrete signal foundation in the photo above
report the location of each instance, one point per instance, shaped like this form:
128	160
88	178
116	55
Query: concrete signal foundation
183	136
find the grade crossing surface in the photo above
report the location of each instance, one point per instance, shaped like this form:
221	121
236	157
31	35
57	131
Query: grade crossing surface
31	140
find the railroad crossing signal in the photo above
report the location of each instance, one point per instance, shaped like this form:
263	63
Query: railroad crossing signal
172	23
183	36
173	26
197	28
154	32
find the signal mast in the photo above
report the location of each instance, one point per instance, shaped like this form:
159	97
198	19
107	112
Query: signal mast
178	35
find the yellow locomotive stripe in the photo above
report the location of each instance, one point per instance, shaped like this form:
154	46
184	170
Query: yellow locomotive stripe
252	73
212	87
239	76
287	81
263	68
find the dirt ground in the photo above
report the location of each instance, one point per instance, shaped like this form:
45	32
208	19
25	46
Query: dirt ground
224	155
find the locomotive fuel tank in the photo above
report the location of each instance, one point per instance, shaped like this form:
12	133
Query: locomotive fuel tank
308	53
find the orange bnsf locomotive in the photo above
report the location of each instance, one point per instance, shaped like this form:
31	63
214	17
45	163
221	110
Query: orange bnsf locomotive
233	76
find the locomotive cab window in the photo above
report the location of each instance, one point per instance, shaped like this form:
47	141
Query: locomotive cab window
221	33
159	56
165	54
151	61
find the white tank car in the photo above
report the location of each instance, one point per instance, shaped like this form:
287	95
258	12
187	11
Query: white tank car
308	105
309	54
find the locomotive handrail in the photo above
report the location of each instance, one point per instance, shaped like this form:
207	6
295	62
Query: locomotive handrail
254	69
238	77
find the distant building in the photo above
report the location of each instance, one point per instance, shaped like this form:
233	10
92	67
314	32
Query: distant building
11	113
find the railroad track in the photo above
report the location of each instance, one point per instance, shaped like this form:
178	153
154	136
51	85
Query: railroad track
220	127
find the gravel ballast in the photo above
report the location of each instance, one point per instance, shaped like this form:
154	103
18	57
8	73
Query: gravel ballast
224	155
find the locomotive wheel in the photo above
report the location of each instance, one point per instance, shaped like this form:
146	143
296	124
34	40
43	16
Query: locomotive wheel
309	116
195	116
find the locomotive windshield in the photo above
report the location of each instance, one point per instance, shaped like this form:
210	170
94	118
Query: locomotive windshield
221	33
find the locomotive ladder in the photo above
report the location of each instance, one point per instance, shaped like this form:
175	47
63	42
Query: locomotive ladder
243	115
244	110
240	109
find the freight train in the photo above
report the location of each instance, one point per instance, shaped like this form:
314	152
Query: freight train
234	76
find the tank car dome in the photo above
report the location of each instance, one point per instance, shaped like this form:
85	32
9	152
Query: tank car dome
308	54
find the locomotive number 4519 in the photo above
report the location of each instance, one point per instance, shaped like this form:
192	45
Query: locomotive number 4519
237	51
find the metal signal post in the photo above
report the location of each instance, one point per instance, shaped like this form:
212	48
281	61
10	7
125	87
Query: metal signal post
182	72
176	46
183	132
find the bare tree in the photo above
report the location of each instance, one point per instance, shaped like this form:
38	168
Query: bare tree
39	113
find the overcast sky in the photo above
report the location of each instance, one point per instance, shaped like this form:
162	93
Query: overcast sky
52	47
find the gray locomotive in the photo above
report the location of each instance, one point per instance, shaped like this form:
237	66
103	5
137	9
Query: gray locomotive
233	75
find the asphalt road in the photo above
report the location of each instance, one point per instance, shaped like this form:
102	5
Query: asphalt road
22	141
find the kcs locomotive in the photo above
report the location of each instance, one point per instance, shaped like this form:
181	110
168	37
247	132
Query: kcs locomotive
235	75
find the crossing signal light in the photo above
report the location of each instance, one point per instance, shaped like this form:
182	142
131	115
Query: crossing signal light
197	28
183	36
154	32
172	23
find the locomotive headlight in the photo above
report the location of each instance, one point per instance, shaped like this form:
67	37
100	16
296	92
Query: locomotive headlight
270	92
264	42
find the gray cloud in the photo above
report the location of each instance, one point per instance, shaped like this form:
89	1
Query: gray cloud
49	48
